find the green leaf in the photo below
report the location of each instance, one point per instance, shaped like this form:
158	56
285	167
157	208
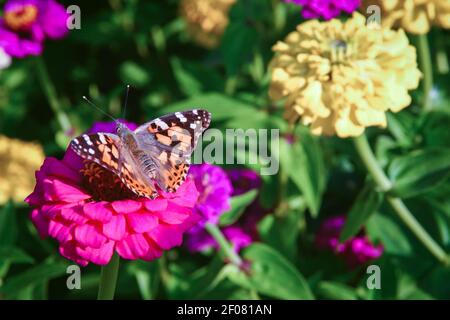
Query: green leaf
282	233
435	129
14	255
187	82
336	291
366	203
238	205
193	78
133	74
32	276
8	225
304	164
147	277
419	171
401	126
271	274
220	106
237	45
384	229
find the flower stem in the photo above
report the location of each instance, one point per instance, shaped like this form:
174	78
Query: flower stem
50	92
108	279
383	182
215	232
427	69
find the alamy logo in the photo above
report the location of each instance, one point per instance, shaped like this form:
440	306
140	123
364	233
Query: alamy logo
74	19
374	18
374	280
74	280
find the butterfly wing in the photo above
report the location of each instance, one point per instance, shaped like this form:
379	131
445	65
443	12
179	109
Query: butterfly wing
106	150
169	141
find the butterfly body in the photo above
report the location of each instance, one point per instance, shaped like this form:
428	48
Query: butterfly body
155	154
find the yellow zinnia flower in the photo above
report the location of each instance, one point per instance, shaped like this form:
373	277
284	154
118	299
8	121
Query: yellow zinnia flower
340	77
206	19
18	162
415	16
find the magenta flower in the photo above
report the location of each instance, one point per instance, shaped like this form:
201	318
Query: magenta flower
243	180
200	240
92	214
215	191
327	9
355	251
242	233
27	23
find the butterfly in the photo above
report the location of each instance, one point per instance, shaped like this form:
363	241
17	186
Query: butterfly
156	153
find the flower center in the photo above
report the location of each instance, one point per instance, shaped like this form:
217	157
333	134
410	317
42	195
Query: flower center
22	18
104	185
339	51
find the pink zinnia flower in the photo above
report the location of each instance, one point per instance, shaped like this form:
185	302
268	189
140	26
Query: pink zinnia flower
27	23
356	251
327	9
92	214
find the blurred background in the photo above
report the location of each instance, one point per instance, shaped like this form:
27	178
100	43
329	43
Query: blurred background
176	55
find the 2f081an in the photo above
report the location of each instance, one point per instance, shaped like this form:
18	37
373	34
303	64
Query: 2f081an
236	309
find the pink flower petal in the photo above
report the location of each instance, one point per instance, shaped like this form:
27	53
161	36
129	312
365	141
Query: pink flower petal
100	256
87	235
68	251
166	236
153	253
186	195
173	214
35	198
40	223
60	169
98	211
126	206
72	160
142	222
51	211
74	214
115	229
59	231
57	190
156	205
133	247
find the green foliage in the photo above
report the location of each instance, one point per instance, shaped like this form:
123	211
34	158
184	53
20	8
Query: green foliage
365	204
420	171
270	274
238	205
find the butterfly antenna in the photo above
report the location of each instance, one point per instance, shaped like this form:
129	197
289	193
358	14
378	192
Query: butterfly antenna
126	101
99	109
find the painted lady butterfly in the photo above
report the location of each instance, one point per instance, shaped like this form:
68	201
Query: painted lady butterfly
158	151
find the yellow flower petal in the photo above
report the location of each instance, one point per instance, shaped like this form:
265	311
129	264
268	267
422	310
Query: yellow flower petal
340	77
415	16
206	20
18	162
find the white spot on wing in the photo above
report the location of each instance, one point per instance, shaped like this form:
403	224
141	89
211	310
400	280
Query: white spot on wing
102	138
161	124
180	116
87	139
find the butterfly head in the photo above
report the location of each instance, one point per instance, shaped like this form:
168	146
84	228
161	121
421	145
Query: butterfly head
122	129
126	135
